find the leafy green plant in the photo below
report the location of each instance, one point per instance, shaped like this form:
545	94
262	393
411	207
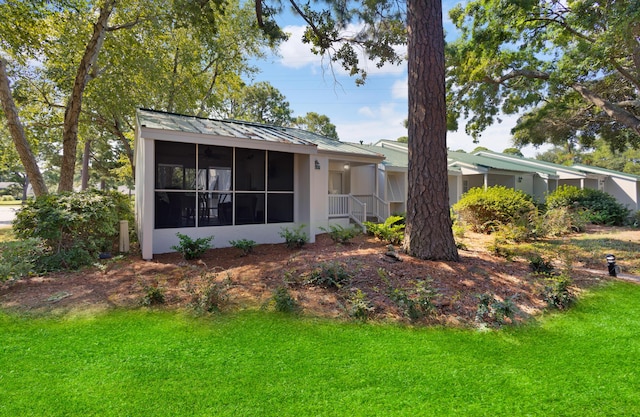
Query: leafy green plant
20	258
295	238
359	306
210	295
340	234
73	227
330	275
415	303
245	245
491	310
539	265
192	248
560	221
153	294
391	231
483	210
500	246
601	208
557	292
283	302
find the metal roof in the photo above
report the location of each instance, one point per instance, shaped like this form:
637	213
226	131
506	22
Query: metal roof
246	130
494	163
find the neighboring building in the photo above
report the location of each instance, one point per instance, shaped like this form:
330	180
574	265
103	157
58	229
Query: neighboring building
236	180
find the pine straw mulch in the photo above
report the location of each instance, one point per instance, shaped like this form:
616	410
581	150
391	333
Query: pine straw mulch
248	282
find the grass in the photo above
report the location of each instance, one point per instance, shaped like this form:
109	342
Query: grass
6	234
587	248
145	362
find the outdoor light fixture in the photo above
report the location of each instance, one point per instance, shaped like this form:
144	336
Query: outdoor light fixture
317	164
519	179
346	166
611	264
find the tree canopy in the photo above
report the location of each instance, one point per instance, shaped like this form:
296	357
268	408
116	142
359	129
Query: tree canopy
317	123
572	67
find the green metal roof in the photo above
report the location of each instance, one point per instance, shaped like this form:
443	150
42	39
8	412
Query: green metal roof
246	130
543	165
598	170
393	157
478	160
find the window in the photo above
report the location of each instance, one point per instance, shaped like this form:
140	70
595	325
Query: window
206	185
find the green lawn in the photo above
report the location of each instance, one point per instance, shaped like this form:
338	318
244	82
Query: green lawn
150	363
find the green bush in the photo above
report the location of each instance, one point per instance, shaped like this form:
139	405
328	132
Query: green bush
600	207
296	238
283	302
539	265
209	296
557	292
20	258
484	210
73	227
359	306
245	245
341	234
560	221
153	294
415	303
192	248
391	231
491	310
330	275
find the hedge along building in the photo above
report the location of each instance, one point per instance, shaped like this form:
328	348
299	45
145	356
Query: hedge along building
240	180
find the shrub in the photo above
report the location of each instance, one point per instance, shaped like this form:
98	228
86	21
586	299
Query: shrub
359	307
415	303
74	227
245	245
491	310
341	234
190	248
557	292
391	231
20	258
330	275
283	302
601	208
485	209
153	294
209	296
296	238
539	265
560	221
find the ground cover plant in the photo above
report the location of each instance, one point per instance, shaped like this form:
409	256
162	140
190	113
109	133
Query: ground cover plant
150	362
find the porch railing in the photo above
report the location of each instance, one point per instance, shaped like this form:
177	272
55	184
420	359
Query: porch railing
359	208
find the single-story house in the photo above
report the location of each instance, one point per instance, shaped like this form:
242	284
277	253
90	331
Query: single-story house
240	180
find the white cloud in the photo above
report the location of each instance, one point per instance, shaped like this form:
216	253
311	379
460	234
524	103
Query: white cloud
296	54
400	89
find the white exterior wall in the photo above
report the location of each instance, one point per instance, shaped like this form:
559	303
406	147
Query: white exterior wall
623	190
540	188
318	189
362	179
145	218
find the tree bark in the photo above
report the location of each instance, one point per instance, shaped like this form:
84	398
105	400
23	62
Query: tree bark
85	165
612	110
18	135
428	233
74	106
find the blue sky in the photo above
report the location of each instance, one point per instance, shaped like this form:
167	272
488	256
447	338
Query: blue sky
370	112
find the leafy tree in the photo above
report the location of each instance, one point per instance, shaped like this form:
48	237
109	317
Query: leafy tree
260	103
513	151
384	24
403	139
573	66
317	123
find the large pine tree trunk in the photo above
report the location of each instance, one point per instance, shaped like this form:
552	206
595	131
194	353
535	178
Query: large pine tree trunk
17	134
428	233
74	106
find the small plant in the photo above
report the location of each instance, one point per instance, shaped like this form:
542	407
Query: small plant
20	258
283	302
341	234
245	245
557	292
210	296
190	248
499	247
492	310
296	238
416	303
539	265
391	231
330	275
359	307
153	294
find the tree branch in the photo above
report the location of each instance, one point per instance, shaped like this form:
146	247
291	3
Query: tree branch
613	110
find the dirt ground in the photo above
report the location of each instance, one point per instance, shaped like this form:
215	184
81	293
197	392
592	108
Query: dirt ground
249	281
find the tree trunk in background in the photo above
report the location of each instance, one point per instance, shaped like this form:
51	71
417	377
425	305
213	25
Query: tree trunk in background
17	134
428	233
72	112
85	165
